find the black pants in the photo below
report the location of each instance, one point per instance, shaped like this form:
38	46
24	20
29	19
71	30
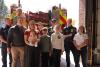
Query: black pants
32	57
51	60
69	46
4	56
56	57
45	59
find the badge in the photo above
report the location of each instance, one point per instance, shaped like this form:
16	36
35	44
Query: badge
71	30
59	36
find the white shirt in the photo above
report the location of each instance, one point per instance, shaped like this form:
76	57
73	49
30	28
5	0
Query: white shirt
57	41
35	45
79	38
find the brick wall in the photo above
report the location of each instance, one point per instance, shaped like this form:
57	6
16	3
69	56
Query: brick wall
98	23
82	12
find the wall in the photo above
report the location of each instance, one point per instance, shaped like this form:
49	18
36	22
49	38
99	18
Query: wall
82	12
98	23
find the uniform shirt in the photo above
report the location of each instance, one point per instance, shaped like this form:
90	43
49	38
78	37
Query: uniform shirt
4	32
57	41
50	30
80	38
67	31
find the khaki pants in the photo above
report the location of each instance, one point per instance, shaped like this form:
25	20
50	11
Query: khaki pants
17	53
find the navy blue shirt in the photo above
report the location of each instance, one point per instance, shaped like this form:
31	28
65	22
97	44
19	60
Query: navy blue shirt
50	30
4	32
69	30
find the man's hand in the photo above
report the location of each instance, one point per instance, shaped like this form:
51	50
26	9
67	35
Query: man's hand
2	39
78	47
62	52
65	36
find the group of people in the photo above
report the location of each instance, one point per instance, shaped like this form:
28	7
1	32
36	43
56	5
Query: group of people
42	47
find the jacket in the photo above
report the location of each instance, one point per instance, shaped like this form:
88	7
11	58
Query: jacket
16	36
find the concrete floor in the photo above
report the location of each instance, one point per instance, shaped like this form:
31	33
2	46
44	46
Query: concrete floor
63	61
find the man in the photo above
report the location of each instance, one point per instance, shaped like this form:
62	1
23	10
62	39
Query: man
3	39
57	41
16	42
51	28
50	31
68	42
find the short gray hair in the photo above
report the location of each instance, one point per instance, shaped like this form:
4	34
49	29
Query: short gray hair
57	27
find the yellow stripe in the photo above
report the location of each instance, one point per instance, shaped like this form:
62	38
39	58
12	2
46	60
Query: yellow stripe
65	17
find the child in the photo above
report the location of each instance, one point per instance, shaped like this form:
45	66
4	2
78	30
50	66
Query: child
45	47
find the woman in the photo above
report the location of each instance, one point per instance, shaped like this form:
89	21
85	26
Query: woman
81	42
32	43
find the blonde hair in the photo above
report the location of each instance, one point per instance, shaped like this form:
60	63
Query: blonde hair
82	27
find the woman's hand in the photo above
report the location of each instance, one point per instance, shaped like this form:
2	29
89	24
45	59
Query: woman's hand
8	50
78	47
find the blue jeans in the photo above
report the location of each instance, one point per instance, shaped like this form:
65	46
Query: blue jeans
83	54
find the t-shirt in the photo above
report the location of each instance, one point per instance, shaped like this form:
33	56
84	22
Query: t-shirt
4	32
79	38
57	41
69	30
